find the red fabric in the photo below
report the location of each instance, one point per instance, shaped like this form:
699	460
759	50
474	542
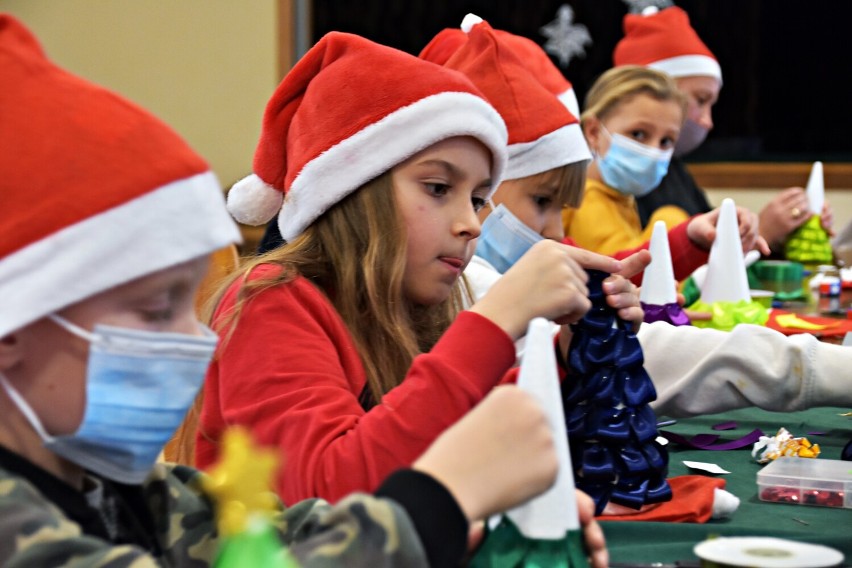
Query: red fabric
441	47
291	373
535	59
686	255
666	34
692	502
299	124
46	111
528	108
838	327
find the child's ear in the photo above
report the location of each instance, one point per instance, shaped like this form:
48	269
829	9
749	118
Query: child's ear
10	351
592	131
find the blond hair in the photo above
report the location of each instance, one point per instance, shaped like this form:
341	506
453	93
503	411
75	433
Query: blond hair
620	84
571	181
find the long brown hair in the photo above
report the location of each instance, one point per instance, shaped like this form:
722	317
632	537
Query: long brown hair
355	253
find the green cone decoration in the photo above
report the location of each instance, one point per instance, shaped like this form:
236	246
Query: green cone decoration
546	530
809	244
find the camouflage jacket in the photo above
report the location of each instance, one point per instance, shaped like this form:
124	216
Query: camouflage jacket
360	531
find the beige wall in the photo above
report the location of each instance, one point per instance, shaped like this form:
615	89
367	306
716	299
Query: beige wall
206	67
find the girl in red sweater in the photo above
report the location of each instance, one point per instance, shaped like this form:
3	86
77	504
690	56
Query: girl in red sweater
347	346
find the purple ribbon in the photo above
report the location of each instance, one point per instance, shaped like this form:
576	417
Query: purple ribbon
708	441
669	313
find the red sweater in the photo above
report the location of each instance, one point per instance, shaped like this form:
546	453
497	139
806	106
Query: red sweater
290	372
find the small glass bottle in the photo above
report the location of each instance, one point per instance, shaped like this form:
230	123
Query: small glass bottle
829	289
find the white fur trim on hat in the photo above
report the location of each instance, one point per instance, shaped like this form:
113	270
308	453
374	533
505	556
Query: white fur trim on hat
375	149
563	146
252	201
115	247
688	66
469	21
569	99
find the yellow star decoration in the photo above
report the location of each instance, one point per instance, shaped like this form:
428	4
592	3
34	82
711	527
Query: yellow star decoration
240	482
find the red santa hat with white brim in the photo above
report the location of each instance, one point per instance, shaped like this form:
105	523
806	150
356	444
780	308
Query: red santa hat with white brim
349	111
543	134
665	40
538	63
96	192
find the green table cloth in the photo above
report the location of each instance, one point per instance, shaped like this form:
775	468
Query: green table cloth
646	542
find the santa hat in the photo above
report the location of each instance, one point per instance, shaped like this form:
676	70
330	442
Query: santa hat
95	191
543	134
665	41
349	111
538	63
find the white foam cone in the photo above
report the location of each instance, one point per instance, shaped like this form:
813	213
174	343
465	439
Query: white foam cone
816	189
726	279
658	281
553	513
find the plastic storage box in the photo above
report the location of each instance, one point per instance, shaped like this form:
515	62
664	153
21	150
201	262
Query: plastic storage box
802	481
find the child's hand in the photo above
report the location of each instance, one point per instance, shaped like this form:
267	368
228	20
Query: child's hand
702	230
592	532
623	295
546	282
508	454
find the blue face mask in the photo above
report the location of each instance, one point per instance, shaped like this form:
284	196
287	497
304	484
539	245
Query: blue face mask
633	168
504	239
139	386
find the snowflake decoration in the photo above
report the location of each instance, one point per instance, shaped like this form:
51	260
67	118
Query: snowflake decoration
565	39
638	6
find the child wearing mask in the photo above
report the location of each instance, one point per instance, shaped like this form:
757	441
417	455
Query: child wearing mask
690	240
346	346
631	122
665	40
101	354
784	373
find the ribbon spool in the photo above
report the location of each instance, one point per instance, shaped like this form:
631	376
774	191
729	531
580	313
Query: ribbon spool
764	552
783	277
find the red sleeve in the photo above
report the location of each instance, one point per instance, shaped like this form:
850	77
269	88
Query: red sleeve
291	373
686	256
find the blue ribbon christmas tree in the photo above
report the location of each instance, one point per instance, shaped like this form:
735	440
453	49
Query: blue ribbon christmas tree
612	430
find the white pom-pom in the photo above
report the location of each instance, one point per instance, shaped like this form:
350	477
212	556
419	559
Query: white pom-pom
254	202
725	504
469	21
650	10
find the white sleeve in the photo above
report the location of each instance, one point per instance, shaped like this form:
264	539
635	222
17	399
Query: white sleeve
704	371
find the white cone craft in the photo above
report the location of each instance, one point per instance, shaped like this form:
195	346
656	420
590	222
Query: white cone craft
552	514
726	279
658	281
816	189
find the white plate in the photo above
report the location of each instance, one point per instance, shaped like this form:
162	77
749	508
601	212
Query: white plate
766	552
